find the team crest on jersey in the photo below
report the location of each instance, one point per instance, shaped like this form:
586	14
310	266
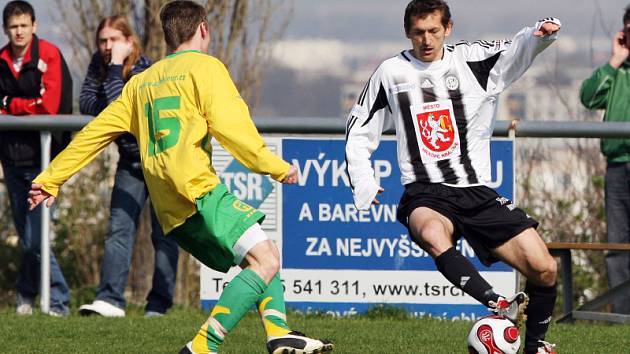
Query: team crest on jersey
436	129
452	82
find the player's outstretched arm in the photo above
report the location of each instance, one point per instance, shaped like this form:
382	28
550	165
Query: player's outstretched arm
547	29
37	195
518	54
230	123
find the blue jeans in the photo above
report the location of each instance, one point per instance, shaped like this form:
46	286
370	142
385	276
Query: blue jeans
28	226
128	198
618	228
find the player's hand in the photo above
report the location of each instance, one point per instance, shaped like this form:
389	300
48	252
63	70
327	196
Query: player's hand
37	195
291	177
547	29
120	51
620	50
376	201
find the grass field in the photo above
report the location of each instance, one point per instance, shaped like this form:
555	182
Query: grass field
382	333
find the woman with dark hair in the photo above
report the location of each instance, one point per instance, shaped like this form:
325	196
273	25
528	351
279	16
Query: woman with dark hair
119	58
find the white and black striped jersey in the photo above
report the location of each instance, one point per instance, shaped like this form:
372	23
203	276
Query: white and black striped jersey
443	111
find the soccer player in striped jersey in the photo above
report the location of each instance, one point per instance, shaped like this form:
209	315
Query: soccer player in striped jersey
174	109
442	100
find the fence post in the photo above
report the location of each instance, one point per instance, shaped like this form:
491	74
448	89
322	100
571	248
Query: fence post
45	138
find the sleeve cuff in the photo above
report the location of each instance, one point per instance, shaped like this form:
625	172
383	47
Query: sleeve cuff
553	20
364	194
115	71
280	176
48	188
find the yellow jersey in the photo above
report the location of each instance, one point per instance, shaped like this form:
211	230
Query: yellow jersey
174	109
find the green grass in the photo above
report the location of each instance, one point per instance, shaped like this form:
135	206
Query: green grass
382	332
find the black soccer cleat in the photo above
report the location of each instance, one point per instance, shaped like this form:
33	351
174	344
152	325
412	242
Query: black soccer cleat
297	343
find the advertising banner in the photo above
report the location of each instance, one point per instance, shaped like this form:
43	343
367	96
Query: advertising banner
341	260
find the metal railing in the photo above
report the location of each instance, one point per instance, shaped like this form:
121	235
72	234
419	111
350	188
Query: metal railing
327	125
290	125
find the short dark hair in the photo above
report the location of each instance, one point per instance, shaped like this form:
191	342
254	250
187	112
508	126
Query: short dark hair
180	20
626	16
17	8
422	8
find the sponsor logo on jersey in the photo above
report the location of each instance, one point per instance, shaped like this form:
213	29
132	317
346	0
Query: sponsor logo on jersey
359	111
426	84
405	87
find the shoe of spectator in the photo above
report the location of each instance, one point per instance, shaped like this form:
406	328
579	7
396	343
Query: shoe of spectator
24	305
101	308
58	313
153	314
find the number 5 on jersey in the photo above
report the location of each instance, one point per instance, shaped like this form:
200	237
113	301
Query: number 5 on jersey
163	132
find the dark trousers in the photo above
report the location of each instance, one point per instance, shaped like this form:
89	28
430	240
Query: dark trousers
28	226
618	228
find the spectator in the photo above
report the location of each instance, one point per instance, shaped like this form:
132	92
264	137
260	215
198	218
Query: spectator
609	89
34	79
117	59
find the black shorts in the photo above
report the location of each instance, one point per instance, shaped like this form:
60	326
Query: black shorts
483	217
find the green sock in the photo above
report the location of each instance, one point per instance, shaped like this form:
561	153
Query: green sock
272	309
236	299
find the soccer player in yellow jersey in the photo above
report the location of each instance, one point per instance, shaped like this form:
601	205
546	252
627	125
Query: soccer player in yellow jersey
174	109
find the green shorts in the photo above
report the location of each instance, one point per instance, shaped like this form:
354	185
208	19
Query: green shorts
211	233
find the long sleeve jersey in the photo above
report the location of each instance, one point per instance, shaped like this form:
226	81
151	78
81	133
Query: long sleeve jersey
609	88
173	109
443	112
97	93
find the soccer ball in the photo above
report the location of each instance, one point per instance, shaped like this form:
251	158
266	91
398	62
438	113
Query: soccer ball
494	335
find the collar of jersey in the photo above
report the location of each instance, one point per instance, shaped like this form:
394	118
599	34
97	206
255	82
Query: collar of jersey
182	52
433	64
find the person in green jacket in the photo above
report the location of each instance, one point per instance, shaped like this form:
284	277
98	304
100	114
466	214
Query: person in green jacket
609	88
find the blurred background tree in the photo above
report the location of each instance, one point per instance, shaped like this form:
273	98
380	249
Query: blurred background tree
243	32
568	201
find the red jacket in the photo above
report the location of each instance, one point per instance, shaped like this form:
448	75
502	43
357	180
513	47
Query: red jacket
50	85
43	86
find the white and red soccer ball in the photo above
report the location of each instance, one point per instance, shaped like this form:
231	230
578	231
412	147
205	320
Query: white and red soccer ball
494	335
